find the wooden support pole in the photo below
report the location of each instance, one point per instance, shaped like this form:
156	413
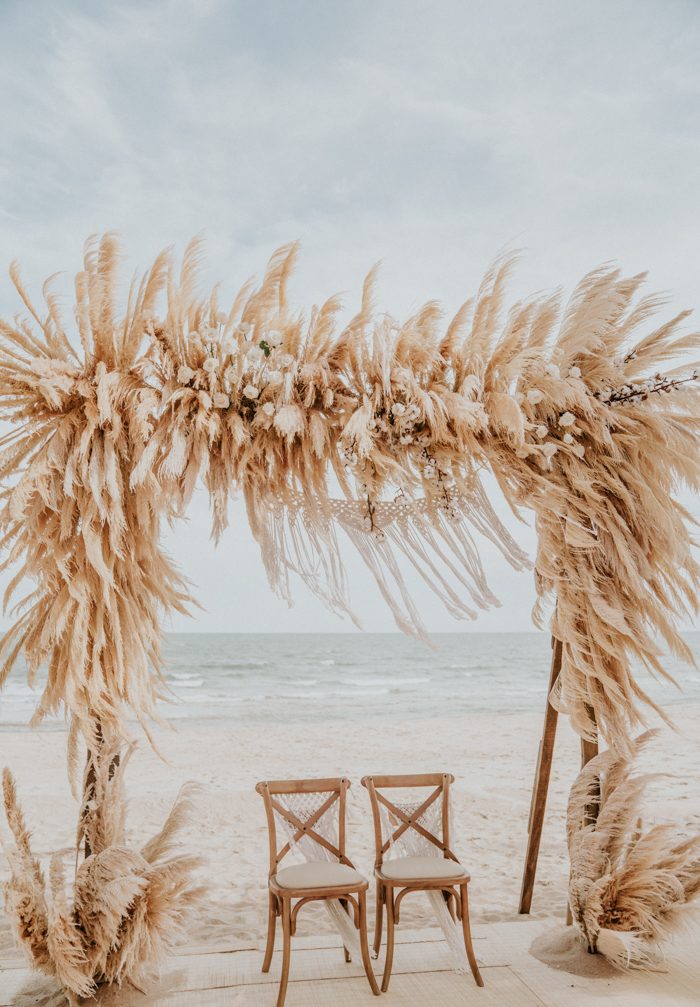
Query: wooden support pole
540	788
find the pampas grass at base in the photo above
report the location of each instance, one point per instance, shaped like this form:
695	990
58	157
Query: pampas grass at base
127	906
629	889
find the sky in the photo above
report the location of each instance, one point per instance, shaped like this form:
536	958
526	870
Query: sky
428	136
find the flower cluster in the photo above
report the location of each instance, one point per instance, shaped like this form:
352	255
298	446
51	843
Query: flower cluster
636	392
236	367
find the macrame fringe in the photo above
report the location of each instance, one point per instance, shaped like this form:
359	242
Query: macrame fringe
299	536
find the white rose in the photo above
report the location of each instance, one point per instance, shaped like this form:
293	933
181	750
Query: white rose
534	396
221	401
568	439
210	364
254	355
567	420
251	392
269	408
185	375
541	431
579	450
552	370
286	360
398	409
245	328
275	377
549	450
274	338
574	372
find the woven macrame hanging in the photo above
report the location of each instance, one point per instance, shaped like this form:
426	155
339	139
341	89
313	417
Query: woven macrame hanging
299	535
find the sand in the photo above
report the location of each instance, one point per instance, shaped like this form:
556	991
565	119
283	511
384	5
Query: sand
492	756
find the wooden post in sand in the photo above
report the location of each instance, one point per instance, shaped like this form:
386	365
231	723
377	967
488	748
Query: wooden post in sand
538	803
541	785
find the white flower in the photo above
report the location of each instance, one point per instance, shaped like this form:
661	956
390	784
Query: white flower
579	450
535	396
406	439
541	431
549	450
230	346
210	364
274	338
552	370
286	359
185	375
251	392
398	409
254	355
230	375
275	377
246	329
567	420
574	372
568	439
221	401
269	408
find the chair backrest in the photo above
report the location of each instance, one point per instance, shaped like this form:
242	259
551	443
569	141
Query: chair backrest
404	818
304	822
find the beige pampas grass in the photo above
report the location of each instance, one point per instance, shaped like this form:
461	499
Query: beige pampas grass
127	906
570	406
629	888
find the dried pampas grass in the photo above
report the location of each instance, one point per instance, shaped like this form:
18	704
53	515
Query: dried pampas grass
573	408
630	889
127	906
566	404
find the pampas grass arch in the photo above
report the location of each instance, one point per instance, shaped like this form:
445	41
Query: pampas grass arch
576	409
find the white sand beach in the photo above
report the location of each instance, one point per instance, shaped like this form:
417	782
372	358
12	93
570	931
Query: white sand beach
492	756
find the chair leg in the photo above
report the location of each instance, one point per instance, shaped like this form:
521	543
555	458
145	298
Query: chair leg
362	900
271	925
344	904
378	920
469	947
286	950
389	899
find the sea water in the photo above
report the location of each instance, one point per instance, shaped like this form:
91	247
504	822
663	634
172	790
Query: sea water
276	677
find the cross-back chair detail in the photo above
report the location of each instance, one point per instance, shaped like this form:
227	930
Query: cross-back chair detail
329	877
406	820
270	790
423	868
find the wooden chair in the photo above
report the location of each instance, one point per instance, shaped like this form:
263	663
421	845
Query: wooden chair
416	873
316	879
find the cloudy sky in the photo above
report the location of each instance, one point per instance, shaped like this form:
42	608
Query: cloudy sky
426	135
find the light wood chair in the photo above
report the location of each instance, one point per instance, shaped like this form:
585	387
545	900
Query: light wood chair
404	874
314	880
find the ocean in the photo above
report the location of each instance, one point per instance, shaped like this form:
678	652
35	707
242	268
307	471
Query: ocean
275	677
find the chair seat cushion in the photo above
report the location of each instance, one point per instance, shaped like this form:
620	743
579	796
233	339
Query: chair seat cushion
408	868
318	874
